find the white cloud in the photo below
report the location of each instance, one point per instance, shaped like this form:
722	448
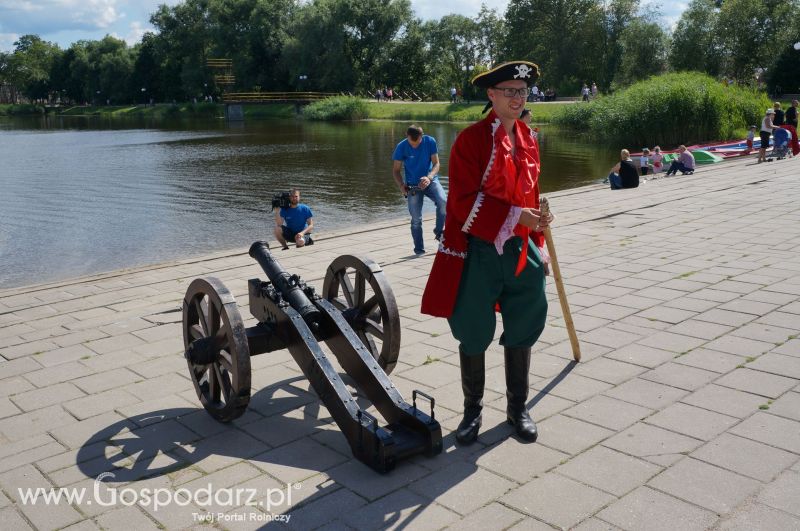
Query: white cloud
427	10
7	41
22	6
44	16
136	32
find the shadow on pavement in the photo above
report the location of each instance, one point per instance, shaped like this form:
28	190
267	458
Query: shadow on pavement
271	434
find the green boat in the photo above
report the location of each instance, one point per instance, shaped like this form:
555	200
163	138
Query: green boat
700	157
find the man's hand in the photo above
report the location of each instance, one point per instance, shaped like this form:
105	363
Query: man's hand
532	218
299	239
424	182
403	190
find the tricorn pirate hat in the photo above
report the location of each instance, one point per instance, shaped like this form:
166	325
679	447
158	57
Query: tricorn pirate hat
522	70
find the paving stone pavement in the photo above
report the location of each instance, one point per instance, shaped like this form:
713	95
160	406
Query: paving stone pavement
683	414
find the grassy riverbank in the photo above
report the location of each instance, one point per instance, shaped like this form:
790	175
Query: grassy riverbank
450	112
401	111
179	110
7	109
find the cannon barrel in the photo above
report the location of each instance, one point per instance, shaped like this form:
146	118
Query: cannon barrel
286	284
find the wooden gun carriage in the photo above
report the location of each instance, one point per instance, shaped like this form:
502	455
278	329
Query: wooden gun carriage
356	317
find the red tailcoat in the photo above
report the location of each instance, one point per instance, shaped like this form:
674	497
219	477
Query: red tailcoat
486	180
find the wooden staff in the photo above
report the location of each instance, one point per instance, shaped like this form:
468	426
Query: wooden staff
562	294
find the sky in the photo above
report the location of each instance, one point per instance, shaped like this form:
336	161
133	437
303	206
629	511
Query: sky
66	21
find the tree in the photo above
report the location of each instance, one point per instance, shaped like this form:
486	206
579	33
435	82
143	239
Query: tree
146	71
113	63
369	27
784	76
183	43
8	92
345	44
492	34
29	66
695	44
327	67
252	34
644	52
618	15
73	73
455	43
752	34
408	66
562	36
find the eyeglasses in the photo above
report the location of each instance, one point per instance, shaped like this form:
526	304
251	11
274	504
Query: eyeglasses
513	93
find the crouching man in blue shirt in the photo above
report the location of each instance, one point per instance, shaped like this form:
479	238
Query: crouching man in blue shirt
419	157
294	223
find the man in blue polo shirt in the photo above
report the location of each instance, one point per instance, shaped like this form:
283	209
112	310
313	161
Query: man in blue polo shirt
294	223
418	156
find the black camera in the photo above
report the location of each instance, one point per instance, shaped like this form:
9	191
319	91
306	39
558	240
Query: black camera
282	200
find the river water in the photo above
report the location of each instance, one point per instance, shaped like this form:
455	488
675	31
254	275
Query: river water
86	195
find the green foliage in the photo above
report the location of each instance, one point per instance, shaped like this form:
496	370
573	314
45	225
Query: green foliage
454	41
358	46
694	42
751	33
336	109
22	109
565	38
95	71
735	38
668	110
28	67
786	72
344	44
644	50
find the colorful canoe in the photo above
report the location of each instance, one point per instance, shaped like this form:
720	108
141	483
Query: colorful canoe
700	157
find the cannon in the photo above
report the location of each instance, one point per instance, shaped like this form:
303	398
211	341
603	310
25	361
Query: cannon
356	317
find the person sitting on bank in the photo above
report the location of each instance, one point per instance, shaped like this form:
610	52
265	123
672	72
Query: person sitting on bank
684	163
624	174
294	223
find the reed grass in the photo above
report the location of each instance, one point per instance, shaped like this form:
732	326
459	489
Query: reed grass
338	108
671	109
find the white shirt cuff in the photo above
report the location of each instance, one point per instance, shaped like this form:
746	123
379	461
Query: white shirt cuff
507	230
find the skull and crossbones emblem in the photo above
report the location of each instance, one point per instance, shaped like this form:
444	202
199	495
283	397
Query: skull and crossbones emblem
522	71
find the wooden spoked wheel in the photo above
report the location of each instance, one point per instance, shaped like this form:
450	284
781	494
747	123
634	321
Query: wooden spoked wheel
216	349
358	288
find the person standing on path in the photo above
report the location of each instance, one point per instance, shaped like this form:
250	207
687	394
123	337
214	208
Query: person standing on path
777	119
791	115
491	255
766	132
418	157
791	125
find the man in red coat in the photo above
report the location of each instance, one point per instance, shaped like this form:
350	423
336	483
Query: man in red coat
491	255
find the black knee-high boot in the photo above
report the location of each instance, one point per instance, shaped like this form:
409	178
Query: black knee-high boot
473	378
518	362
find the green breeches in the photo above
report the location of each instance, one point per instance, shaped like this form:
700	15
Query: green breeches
488	278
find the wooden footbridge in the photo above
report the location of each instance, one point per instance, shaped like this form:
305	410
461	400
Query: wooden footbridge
300	98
